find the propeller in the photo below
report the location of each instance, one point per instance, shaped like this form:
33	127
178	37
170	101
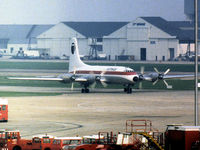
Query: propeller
141	77
73	77
100	79
160	76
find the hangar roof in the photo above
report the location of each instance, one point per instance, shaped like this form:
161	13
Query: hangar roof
20	34
95	29
183	30
163	25
187	30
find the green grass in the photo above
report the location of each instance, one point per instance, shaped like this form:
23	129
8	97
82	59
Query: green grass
19	94
177	84
64	66
34	65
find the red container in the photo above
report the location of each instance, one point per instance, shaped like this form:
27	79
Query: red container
181	137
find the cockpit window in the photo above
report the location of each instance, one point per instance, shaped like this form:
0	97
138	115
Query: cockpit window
129	70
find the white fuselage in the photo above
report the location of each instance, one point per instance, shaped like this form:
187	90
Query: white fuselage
111	74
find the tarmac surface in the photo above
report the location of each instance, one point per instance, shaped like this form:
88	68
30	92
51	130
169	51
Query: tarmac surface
74	113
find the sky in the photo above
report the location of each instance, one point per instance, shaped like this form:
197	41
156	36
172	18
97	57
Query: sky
55	11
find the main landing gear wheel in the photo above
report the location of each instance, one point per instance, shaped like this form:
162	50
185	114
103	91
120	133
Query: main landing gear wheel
128	89
85	90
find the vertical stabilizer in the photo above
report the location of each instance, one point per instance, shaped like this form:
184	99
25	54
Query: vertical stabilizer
74	61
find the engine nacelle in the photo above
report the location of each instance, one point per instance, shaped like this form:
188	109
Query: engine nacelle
135	79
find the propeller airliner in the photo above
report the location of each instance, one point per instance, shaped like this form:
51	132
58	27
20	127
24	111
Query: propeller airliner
88	75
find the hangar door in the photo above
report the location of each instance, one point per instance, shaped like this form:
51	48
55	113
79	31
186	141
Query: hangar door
143	54
171	53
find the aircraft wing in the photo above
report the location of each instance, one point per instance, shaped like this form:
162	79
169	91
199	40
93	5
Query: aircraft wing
64	77
81	80
181	76
37	78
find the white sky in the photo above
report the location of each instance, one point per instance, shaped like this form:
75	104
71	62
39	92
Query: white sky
55	11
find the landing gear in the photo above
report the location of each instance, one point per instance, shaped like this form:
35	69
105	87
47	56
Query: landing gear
85	90
128	89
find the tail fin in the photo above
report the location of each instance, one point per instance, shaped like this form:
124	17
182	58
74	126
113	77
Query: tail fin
74	60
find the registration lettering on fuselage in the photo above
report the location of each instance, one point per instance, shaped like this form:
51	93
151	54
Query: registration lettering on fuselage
111	69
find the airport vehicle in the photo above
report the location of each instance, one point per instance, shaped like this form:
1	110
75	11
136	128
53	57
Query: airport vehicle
11	140
139	135
88	75
3	110
60	142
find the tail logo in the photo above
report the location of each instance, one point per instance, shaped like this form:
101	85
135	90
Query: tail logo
73	48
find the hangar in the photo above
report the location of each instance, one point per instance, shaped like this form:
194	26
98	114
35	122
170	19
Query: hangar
56	40
14	38
146	38
151	38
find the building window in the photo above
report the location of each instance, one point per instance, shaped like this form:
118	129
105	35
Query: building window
134	24
152	42
99	48
4	51
140	24
4	107
163	58
11	50
99	39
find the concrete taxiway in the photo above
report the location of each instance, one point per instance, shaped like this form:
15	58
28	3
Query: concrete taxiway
74	113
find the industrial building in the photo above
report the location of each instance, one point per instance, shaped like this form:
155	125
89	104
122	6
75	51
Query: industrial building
145	38
56	40
14	38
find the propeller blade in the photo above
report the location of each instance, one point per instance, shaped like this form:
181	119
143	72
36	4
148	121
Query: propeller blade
102	73
156	70
154	83
104	84
142	70
140	85
167	85
93	85
167	71
72	87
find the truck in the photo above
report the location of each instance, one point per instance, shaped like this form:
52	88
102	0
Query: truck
3	110
11	140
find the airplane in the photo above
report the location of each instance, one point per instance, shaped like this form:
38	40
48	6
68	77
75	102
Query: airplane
88	75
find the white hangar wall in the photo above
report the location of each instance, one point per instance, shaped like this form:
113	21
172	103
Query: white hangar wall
116	43
138	36
56	41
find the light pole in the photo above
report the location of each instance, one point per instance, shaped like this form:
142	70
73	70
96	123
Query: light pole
196	63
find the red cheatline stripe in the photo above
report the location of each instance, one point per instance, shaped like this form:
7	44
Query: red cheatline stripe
106	72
